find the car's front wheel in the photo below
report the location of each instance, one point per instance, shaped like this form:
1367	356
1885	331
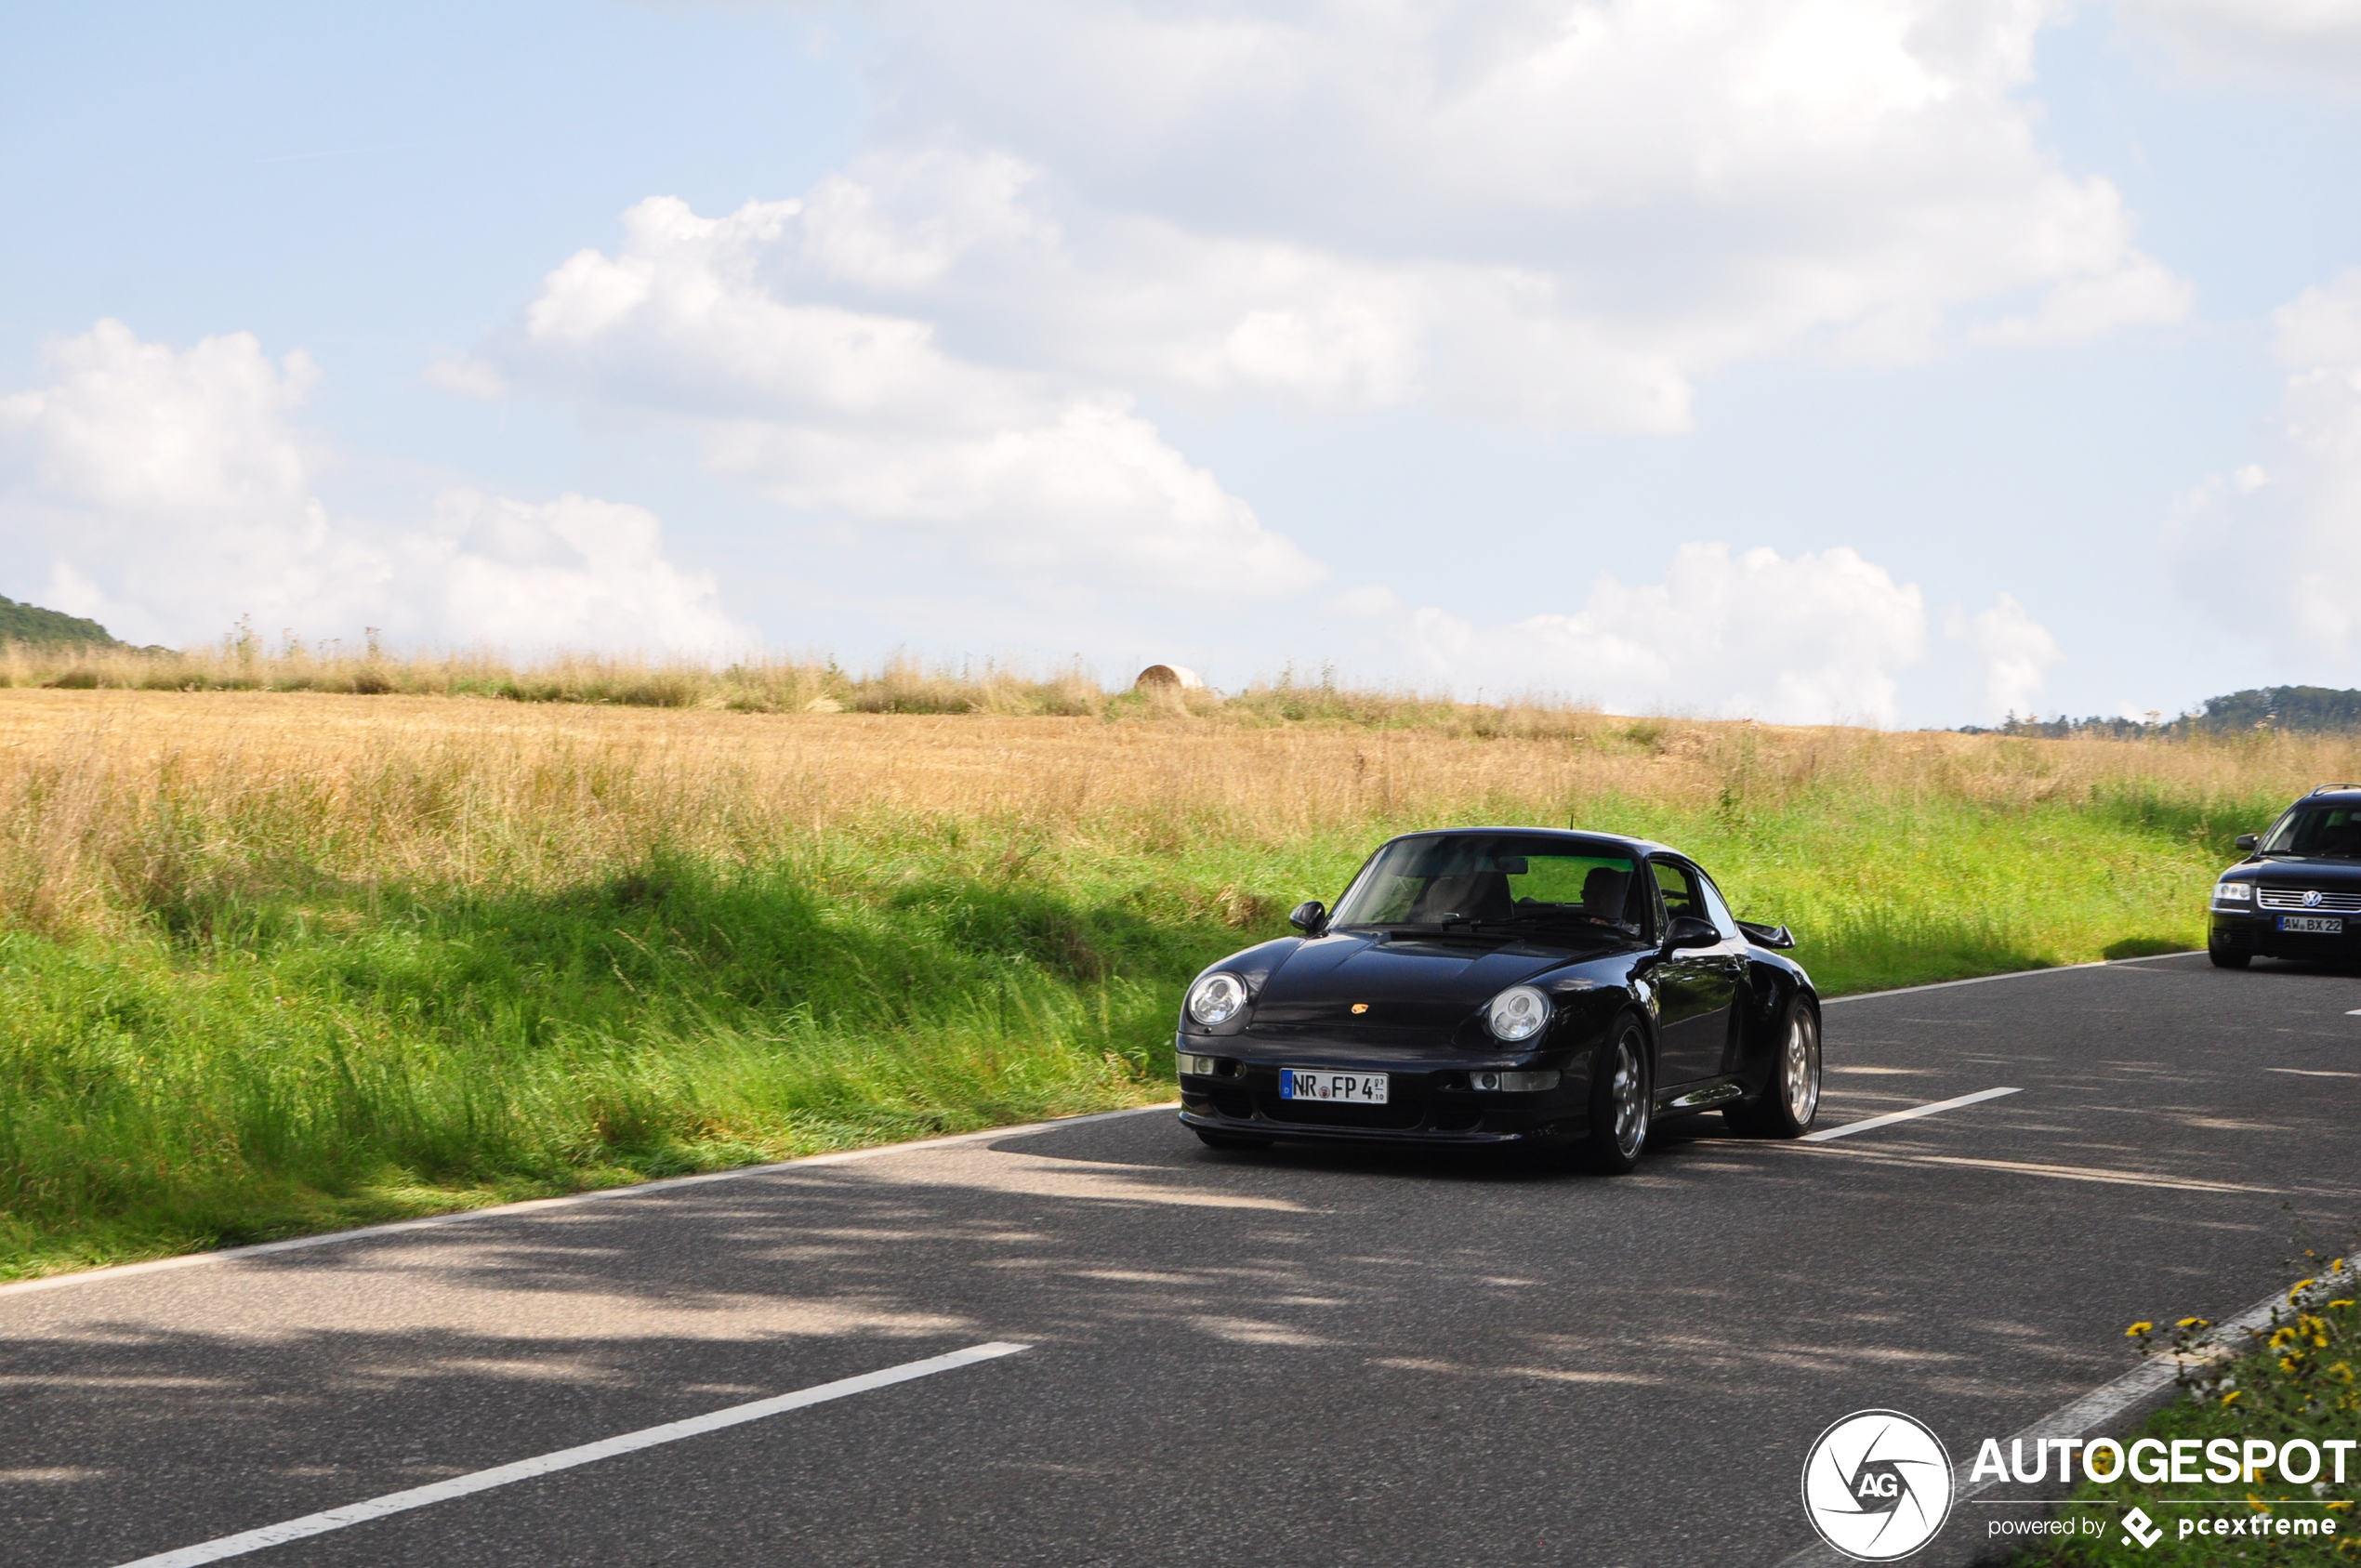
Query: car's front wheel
1622	1101
1790	1102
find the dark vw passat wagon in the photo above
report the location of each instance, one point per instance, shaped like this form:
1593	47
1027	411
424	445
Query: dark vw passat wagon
2298	892
1507	987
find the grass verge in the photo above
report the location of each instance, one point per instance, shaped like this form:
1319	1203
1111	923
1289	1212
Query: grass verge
2294	1381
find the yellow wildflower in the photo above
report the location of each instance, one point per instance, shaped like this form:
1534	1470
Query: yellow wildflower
2139	1328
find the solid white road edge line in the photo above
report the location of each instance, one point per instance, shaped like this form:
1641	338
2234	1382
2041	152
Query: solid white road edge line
564	1459
2012	974
531	1205
2097	1411
1912	1114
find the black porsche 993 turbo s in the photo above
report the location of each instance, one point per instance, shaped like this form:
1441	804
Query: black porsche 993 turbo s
1505	986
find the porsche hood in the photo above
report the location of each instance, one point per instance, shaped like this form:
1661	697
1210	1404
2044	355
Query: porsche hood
1400	982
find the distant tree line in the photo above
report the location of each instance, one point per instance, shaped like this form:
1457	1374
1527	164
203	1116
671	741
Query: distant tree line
2313	710
30	622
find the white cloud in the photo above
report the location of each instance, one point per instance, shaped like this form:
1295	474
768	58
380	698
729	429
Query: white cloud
864	414
1562	213
572	573
173	492
1817	638
2011	651
2312	41
2291	527
467	377
130	425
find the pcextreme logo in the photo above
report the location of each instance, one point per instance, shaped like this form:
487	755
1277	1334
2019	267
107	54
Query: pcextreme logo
1876	1485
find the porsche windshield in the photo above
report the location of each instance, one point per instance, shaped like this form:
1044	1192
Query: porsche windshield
2318	832
1497	879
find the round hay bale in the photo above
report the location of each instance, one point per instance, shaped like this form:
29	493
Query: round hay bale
1167	677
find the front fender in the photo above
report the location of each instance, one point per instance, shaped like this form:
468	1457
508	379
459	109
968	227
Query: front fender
1773	984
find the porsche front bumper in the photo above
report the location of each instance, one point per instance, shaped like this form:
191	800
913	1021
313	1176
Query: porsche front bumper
1428	1102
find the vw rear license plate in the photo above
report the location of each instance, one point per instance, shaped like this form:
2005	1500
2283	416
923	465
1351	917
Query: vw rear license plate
2320	925
1353	1088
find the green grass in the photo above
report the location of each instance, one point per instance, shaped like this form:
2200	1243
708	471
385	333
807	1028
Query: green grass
282	1050
2296	1380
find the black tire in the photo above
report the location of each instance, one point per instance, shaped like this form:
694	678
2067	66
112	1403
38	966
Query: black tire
1622	1101
1229	1140
2225	959
1790	1100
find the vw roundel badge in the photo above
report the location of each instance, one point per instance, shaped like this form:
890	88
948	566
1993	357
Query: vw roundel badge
1876	1485
2312	899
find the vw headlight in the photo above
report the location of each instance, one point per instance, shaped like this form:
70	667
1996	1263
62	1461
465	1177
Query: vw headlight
1216	999
2234	893
1517	1013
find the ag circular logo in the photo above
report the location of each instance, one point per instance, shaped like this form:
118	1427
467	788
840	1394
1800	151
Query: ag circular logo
1876	1485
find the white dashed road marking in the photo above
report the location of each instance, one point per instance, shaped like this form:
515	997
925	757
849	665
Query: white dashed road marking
564	1459
1849	1129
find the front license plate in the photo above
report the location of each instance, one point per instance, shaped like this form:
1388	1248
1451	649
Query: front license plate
2320	925
1353	1088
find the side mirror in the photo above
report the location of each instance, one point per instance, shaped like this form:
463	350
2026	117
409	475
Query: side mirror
2249	842
1309	918
1777	936
1690	932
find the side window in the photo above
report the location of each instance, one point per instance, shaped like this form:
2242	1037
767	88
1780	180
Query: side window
1717	911
1679	892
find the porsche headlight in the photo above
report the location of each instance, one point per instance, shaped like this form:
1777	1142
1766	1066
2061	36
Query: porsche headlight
1517	1013
2234	893
1217	999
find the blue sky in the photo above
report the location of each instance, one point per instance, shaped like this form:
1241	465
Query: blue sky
1906	361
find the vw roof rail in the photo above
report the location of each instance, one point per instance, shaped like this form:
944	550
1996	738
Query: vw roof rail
2330	789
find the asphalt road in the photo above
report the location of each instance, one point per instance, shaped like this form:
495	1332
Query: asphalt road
1296	1357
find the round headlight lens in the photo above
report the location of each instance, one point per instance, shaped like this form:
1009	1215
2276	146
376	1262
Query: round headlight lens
1217	999
1518	1013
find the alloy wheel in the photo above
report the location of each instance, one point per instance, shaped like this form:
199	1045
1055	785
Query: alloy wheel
1799	1069
1630	1098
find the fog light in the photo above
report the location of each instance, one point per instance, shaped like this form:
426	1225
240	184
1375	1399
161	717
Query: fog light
1515	1083
1199	1066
